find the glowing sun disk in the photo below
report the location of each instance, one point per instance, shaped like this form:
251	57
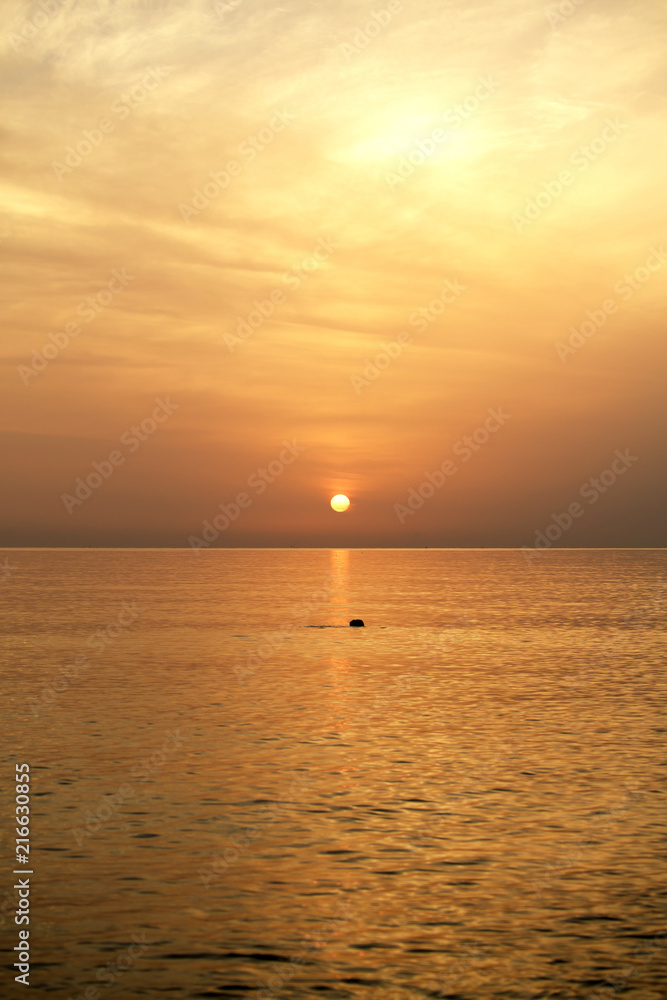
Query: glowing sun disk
340	502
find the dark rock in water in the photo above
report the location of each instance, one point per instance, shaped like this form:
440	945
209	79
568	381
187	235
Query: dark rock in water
358	622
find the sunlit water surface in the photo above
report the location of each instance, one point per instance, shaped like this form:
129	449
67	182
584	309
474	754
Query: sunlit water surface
462	799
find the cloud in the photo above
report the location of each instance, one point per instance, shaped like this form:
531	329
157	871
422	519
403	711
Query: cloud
186	90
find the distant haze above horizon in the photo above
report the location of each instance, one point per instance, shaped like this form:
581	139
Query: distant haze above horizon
256	256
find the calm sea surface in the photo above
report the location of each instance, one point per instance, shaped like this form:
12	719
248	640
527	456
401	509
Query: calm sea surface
234	794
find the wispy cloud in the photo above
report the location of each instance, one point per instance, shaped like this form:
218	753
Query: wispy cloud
222	72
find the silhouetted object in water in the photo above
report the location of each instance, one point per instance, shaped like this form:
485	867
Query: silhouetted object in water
358	622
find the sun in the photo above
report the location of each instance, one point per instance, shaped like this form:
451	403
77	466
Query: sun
340	502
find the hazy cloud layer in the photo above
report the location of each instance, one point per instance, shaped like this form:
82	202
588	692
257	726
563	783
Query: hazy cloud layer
239	206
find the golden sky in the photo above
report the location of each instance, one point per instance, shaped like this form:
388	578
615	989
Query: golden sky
216	217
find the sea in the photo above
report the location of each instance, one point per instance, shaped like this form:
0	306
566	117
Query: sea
235	794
